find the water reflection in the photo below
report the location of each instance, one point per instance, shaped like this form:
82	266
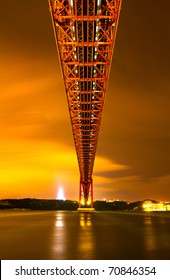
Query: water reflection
85	220
73	236
86	241
59	222
58	239
149	234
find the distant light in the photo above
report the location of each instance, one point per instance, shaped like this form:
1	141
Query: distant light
71	3
60	194
82	202
98	6
150	206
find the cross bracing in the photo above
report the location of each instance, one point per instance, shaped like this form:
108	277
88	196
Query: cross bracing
85	33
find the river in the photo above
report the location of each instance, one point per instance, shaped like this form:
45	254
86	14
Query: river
64	235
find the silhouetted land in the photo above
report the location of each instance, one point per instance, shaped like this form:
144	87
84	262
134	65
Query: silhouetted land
38	204
53	204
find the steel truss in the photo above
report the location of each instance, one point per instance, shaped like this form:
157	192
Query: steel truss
85	33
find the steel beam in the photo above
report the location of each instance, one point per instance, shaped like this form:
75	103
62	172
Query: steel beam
85	33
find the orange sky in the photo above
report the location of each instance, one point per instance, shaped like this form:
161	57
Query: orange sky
36	145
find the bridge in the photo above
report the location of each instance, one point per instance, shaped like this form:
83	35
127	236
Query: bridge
85	33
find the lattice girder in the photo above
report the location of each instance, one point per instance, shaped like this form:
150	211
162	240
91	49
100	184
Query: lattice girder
85	33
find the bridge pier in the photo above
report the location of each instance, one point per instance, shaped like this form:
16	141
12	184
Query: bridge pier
86	196
84	210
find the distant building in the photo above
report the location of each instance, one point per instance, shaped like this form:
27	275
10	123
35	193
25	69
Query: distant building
148	205
167	206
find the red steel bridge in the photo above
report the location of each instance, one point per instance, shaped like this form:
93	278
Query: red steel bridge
85	32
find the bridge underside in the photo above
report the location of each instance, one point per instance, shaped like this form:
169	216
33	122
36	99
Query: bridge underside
85	33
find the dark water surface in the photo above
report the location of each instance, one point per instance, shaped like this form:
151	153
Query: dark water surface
71	235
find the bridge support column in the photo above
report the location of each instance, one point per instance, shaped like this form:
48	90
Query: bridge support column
86	196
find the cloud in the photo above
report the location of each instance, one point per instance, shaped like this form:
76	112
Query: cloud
139	134
132	188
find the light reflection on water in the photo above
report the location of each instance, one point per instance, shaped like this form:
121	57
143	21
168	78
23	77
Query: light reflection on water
86	240
149	234
85	220
66	243
58	239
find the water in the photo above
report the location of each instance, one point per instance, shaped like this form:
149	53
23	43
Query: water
71	235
